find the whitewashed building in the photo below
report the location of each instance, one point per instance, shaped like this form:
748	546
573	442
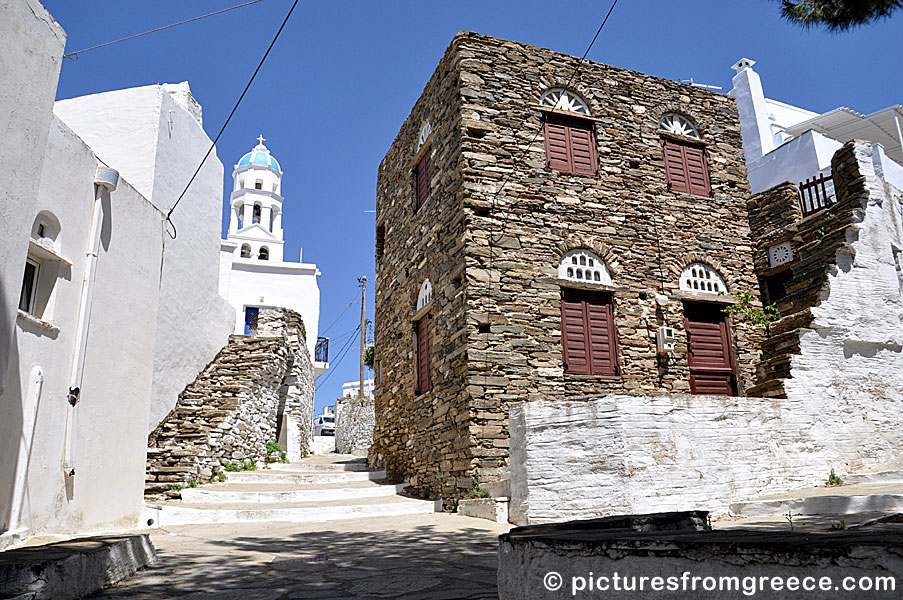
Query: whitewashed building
788	143
253	273
103	317
351	389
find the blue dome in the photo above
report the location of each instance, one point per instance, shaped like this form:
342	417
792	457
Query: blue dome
259	157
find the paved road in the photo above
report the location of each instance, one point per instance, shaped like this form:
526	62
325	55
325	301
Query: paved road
434	556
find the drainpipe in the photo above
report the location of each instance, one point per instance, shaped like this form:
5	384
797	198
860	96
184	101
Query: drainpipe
105	181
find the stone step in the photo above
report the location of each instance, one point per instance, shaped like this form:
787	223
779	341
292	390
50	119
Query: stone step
171	514
841	500
323	465
302	477
878	477
214	494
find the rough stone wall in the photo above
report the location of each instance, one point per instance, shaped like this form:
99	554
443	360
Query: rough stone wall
354	421
838	339
498	338
631	453
234	407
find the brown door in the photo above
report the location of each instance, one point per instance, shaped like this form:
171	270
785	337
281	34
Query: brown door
711	357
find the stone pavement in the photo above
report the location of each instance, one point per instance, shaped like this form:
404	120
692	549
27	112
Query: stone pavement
434	556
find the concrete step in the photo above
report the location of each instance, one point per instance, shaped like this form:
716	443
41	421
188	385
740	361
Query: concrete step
171	514
877	477
264	494
316	464
841	500
302	478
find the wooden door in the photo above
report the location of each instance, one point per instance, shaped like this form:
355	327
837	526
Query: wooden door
587	332
711	356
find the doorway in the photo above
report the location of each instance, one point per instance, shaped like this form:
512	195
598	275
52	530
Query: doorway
709	349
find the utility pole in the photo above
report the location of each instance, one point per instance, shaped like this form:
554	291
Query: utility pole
363	283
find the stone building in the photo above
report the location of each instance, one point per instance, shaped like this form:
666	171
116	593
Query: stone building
542	235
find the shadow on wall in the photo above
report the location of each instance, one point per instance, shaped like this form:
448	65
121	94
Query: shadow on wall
11	418
420	562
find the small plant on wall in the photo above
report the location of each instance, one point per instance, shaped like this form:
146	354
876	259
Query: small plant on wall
744	310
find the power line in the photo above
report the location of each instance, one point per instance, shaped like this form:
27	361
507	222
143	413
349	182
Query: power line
74	55
494	200
347	306
229	118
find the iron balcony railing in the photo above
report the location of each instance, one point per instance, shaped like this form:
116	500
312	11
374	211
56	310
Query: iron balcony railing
321	350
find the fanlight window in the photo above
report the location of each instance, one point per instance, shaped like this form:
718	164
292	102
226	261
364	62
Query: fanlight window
699	277
679	124
564	100
583	265
425	296
424	135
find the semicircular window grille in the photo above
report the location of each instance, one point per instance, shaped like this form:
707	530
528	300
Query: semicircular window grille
584	266
700	277
563	99
425	296
679	124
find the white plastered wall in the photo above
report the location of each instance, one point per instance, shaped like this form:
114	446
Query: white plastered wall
157	143
109	441
31	49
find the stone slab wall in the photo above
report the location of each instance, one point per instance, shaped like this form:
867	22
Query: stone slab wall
624	454
669	561
839	334
492	258
236	405
354	421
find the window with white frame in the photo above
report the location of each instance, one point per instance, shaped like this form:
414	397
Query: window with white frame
701	278
583	266
29	285
679	124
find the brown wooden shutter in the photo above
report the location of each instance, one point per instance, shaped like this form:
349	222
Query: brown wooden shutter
425	354
423	178
587	333
558	155
570	145
686	168
583	149
697	170
709	348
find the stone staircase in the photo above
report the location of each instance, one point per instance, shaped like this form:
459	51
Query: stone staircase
315	489
876	492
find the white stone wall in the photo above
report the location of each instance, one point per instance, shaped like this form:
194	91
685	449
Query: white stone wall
108	444
156	143
354	421
622	454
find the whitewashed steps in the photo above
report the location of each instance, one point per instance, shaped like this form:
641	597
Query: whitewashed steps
316	489
842	500
274	494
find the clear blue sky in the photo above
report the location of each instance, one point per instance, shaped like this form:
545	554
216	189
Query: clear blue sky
344	75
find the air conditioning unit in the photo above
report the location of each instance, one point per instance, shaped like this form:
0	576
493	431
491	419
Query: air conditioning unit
664	340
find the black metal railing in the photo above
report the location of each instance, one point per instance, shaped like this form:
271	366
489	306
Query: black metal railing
321	350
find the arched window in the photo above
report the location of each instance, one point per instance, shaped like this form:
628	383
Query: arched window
425	296
679	124
255	214
246	250
264	253
562	99
686	166
46	229
570	143
424	135
701	278
584	266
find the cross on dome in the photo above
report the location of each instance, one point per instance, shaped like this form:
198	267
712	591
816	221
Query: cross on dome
261	139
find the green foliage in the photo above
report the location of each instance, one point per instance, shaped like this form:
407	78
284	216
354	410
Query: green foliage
451	507
833	480
275	453
837	15
192	483
369	356
476	491
745	311
176	488
247	465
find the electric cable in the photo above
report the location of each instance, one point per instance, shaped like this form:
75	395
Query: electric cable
229	118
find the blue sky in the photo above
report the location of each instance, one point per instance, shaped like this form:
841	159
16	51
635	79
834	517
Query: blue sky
344	75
